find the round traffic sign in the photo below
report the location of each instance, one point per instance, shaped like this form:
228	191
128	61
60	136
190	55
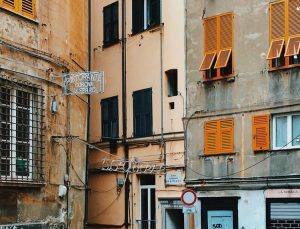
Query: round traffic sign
188	197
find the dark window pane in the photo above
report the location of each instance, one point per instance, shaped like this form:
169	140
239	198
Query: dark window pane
111	23
152	191
4	132
137	16
5	167
153	9
22	160
5	96
172	82
147	179
144	208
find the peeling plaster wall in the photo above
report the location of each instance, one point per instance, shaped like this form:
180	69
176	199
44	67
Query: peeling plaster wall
255	90
45	47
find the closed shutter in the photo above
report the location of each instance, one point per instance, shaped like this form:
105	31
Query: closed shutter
277	20
107	24
28	7
154	13
148	112
294	17
11	4
105	118
226	135
261	132
226	31
115	22
210	34
137	16
114	117
289	211
211	137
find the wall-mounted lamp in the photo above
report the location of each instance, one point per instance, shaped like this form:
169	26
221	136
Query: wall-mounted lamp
54	106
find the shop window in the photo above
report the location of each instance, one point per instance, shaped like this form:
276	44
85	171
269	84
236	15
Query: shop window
218	47
284	34
24	7
286	131
261	132
172	77
218	136
145	14
147	202
142	113
111	24
109	111
21	132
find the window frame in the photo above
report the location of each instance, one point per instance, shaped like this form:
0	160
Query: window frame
110	102
289	131
113	22
18	9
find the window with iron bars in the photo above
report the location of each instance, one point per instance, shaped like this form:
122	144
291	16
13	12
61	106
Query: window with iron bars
21	144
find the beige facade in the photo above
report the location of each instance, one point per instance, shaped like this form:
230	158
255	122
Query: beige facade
150	53
35	49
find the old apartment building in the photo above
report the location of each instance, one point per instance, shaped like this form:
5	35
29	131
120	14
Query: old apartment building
136	169
243	110
42	157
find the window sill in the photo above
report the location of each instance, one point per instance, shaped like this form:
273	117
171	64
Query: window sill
217	154
229	78
22	184
14	13
284	68
110	44
151	29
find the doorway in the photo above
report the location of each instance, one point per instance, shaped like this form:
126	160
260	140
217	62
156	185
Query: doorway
174	219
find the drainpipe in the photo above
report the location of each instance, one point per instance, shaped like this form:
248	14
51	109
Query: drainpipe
124	113
88	121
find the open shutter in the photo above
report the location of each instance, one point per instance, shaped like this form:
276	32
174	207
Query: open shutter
211	137
11	4
137	16
277	20
261	132
226	135
294	17
28	8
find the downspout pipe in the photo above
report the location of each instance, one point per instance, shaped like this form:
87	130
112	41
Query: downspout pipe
88	119
124	116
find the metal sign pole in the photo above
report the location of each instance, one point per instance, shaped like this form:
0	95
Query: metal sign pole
188	220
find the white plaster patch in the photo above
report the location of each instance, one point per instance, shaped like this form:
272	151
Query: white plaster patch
253	36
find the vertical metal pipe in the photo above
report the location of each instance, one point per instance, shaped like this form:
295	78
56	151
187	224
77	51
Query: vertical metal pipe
87	120
124	113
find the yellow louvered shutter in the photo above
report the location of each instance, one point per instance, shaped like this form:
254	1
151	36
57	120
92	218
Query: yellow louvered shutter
11	4
226	27
211	137
277	20
28	8
226	135
261	132
294	17
210	34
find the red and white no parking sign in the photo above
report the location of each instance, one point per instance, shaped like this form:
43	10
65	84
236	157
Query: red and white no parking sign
188	197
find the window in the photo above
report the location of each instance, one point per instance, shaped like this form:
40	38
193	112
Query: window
172	82
142	112
218	136
23	7
109	108
145	14
284	34
261	132
286	131
21	133
147	202
111	24
218	47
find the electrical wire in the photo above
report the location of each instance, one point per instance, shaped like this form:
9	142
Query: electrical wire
251	166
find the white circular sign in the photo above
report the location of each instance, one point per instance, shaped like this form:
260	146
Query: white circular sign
188	197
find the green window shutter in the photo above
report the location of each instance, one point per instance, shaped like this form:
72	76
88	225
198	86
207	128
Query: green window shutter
137	16
109	111
154	13
148	112
111	23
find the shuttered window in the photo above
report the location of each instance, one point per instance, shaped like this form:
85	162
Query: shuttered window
111	24
284	34
24	7
142	112
219	136
261	132
109	112
218	46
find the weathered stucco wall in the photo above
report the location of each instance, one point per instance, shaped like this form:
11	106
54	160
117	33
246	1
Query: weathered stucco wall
255	90
38	51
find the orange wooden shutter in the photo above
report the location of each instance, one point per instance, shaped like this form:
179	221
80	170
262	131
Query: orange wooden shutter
210	34
226	29
211	137
277	20
28	8
226	135
11	4
261	132
294	17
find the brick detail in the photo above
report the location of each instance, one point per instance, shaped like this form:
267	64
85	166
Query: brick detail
284	224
